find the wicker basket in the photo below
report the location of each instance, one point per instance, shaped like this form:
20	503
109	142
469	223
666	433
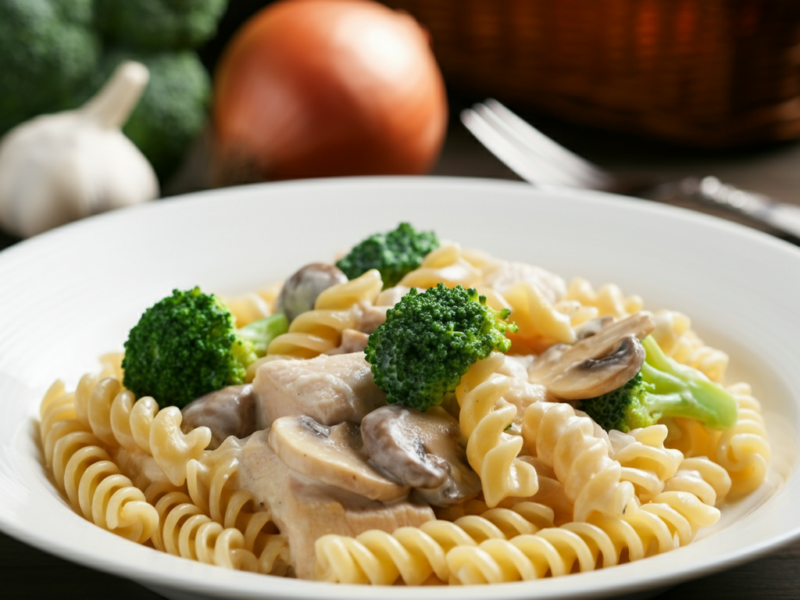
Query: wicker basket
709	73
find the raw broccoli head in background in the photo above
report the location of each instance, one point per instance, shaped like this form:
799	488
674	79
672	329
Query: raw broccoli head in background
172	110
50	54
159	24
430	340
662	388
186	345
394	254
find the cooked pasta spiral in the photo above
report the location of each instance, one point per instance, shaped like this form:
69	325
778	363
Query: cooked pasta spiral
84	471
644	459
670	520
580	455
447	265
703	478
111	413
676	338
191	534
608	299
213	487
743	449
484	418
415	553
538	320
320	330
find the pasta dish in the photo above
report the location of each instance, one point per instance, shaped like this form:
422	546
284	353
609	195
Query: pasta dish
415	413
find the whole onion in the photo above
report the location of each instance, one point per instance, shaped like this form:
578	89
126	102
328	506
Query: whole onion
317	88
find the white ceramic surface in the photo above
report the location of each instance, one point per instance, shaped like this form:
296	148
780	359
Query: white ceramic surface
71	294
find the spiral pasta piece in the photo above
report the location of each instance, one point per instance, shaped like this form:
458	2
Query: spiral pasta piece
109	411
669	521
540	324
580	456
413	554
320	330
213	487
484	418
644	459
703	478
676	338
83	470
608	299
743	449
446	264
247	308
187	531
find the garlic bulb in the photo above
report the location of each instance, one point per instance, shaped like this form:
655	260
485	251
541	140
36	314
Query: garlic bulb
58	168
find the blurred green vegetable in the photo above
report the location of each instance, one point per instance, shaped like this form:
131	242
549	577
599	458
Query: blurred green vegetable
172	110
159	24
49	54
55	54
395	254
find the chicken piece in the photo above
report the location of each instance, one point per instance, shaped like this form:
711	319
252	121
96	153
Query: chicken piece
352	341
329	389
371	317
305	509
506	274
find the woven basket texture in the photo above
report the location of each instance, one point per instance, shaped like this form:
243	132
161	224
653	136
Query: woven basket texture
709	73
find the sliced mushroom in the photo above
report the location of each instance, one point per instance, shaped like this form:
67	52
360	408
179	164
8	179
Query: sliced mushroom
593	327
301	290
332	455
230	411
596	364
423	450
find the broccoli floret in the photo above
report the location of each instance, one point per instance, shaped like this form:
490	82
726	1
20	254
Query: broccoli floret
430	340
159	24
50	54
394	254
186	345
172	110
662	388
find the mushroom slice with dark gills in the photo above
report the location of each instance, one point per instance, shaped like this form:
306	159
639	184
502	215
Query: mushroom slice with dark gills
332	455
301	290
596	364
425	451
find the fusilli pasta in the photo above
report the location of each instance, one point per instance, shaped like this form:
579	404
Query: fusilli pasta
484	418
320	330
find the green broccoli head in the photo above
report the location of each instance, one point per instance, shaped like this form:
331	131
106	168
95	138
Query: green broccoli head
159	24
172	111
50	54
186	345
662	388
430	340
394	254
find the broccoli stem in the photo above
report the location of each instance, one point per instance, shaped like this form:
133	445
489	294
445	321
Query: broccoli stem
674	390
260	333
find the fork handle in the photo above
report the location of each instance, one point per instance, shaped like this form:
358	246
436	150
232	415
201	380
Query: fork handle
710	190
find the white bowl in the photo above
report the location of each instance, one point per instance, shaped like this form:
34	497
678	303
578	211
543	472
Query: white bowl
71	294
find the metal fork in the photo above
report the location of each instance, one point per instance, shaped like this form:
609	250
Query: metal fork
541	161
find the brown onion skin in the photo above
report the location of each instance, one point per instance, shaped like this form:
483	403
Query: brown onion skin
322	88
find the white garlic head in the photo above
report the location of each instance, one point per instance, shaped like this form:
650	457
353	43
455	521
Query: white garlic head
59	168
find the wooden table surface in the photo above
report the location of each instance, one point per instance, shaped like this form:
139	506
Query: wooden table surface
774	170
